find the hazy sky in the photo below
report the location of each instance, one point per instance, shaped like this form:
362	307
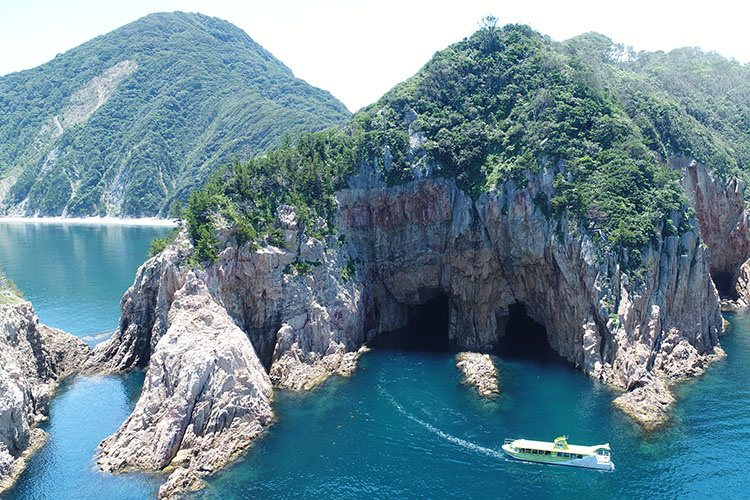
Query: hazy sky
359	49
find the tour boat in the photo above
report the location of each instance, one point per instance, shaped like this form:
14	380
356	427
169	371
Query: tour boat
560	453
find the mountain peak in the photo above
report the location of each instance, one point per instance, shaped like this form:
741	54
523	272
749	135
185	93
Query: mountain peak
133	119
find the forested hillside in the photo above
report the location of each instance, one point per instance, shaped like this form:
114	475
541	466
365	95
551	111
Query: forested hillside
503	105
131	120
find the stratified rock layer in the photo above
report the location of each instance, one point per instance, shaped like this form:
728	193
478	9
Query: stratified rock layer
33	359
205	396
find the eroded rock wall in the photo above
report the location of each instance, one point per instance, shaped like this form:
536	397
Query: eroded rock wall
428	238
143	310
306	310
33	359
724	226
205	396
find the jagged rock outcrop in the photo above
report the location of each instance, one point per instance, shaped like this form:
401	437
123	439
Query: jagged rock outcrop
648	404
206	394
33	359
308	309
479	371
724	226
143	310
428	238
412	243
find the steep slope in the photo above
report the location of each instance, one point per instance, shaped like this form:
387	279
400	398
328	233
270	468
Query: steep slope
133	119
511	170
33	359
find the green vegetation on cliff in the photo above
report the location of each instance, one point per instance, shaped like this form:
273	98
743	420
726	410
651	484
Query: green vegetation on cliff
501	106
136	118
9	292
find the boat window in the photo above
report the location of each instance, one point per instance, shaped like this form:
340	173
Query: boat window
580	456
546	452
566	455
534	452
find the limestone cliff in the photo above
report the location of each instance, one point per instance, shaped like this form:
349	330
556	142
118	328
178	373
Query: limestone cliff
33	359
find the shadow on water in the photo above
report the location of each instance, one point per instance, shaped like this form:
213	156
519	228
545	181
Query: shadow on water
427	330
525	339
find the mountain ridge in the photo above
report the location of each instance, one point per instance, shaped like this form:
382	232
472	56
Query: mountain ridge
187	92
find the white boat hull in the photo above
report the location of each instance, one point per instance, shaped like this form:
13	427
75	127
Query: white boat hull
587	462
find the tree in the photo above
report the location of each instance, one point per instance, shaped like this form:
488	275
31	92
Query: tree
488	22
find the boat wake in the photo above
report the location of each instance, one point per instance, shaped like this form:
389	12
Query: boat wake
444	435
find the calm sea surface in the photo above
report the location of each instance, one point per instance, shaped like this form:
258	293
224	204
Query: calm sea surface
401	427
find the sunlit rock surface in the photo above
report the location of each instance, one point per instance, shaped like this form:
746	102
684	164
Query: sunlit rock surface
33	359
307	310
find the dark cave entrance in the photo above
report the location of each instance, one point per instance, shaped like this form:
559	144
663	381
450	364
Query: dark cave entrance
427	330
525	338
724	282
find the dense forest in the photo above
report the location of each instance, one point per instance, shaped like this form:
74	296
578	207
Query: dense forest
131	120
499	106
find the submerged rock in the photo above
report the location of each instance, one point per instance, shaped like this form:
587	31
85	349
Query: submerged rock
648	404
479	371
34	358
205	396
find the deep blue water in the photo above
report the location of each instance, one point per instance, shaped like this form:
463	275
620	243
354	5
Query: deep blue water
403	426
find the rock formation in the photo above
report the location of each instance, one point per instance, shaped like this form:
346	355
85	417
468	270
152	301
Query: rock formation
478	371
205	396
724	226
307	310
144	308
33	359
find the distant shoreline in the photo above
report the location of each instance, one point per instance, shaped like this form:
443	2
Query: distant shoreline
92	221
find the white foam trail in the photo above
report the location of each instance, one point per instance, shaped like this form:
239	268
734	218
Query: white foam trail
453	439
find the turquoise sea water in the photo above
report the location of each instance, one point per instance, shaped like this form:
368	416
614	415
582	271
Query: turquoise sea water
404	427
75	276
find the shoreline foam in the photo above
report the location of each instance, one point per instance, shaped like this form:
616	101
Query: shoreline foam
92	221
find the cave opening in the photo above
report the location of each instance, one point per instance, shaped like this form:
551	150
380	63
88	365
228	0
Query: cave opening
426	331
525	338
724	282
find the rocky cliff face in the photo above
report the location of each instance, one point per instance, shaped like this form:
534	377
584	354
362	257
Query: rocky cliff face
724	226
307	310
33	359
428	238
205	396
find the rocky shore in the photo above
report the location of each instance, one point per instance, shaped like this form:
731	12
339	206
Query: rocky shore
205	396
298	314
33	360
479	371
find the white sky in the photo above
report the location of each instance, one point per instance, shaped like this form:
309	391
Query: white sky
358	50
